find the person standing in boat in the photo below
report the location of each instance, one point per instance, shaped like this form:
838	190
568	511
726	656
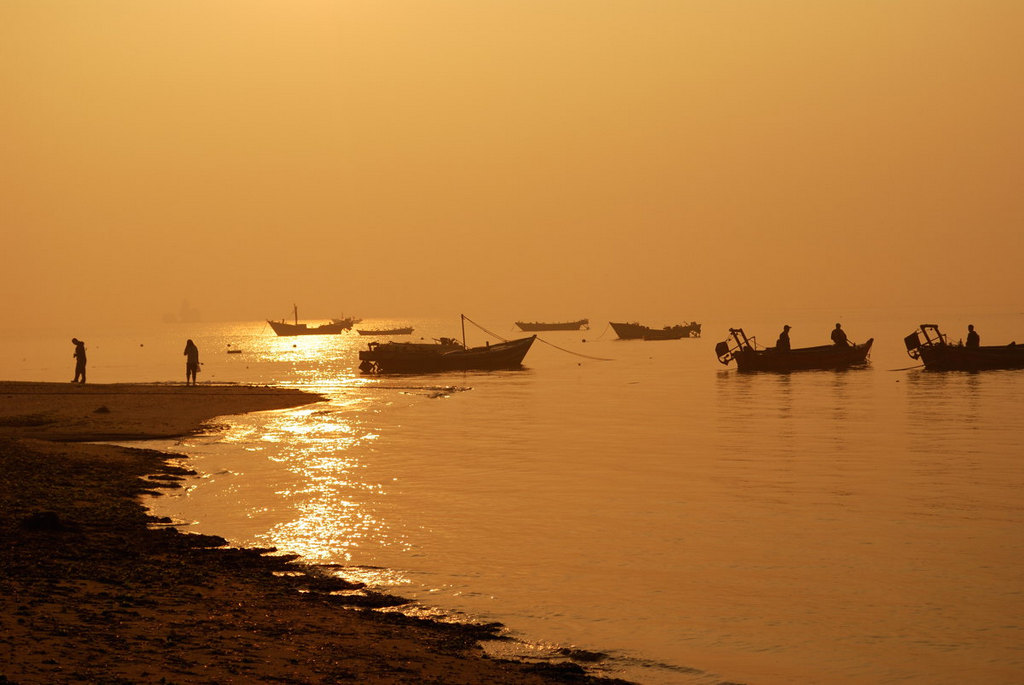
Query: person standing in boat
79	356
973	339
839	336
782	344
191	362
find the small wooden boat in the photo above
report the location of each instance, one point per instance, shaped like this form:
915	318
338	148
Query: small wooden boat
749	357
636	331
937	354
444	355
540	326
287	329
384	331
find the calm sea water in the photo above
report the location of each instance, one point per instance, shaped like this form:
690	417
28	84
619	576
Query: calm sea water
696	524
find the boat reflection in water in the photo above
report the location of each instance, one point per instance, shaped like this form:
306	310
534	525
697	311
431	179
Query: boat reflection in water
749	357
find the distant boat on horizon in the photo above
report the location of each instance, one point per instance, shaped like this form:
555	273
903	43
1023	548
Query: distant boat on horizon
748	357
636	331
282	328
407	330
937	354
541	326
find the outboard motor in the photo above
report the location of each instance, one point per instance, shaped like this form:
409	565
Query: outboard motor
722	350
913	341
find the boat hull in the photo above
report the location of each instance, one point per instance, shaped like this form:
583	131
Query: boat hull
406	358
636	331
290	329
801	359
957	358
388	331
540	326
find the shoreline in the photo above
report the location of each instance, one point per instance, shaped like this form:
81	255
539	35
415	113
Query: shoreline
97	589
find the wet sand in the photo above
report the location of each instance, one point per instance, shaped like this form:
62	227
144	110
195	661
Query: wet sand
93	589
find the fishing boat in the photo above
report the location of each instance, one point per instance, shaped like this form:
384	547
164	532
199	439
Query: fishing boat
750	357
336	326
444	354
541	326
636	331
385	331
937	354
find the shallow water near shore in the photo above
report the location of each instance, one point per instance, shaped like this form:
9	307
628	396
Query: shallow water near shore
696	524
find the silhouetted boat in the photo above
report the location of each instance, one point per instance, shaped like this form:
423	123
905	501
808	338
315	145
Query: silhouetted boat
336	326
444	355
384	331
635	331
540	326
748	358
937	354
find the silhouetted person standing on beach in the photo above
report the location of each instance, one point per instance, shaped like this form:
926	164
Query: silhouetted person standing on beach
782	345
973	339
839	336
79	360
191	362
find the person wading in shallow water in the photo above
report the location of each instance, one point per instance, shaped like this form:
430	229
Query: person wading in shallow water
79	360
191	362
782	344
973	339
839	336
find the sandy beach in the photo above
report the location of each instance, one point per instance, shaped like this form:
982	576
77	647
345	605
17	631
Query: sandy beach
93	589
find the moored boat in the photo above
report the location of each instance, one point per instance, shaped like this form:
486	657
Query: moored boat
541	326
937	354
445	354
749	357
385	331
284	328
636	331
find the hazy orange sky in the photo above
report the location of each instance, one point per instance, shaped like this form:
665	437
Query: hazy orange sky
664	159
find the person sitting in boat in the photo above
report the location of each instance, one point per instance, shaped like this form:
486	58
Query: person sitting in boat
839	336
782	345
973	339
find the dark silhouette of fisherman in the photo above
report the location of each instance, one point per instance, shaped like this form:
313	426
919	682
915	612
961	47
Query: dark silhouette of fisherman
973	339
79	360
191	362
782	344
839	337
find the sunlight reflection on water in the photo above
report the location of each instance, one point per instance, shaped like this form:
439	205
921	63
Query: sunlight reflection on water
818	525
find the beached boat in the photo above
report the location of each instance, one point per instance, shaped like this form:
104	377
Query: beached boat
445	354
540	326
636	331
749	357
336	326
385	331
937	354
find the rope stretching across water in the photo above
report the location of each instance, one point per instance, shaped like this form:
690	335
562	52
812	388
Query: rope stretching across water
585	356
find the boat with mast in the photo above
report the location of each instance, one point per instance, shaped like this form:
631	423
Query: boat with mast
444	354
336	326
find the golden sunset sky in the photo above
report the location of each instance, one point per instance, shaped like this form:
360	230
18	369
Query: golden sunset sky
431	157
